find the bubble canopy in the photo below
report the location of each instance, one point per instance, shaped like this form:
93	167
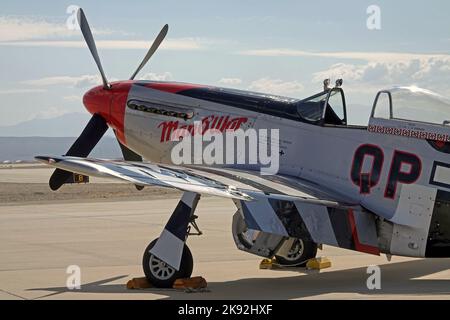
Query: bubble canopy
412	104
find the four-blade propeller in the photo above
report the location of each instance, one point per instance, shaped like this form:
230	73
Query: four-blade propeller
97	125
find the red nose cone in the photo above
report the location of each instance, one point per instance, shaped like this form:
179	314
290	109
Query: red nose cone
98	101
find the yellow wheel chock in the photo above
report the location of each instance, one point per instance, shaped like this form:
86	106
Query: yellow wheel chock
312	264
318	263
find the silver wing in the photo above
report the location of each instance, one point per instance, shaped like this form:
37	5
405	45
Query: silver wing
144	174
280	204
223	182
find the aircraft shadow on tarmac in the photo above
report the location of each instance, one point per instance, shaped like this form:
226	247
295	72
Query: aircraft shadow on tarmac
396	279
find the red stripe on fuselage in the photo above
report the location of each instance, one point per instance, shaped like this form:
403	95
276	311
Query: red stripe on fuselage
358	245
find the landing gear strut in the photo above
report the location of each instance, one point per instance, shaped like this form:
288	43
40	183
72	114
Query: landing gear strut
168	258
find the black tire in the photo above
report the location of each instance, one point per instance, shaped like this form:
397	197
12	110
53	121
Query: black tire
164	277
299	259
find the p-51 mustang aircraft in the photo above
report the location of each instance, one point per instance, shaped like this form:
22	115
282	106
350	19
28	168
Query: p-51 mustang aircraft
381	188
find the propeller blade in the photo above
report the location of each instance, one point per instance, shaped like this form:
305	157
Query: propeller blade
162	34
129	155
87	34
91	135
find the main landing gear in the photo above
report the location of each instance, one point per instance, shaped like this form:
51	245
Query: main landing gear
168	258
298	252
288	251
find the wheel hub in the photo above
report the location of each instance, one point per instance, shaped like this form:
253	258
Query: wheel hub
296	250
160	269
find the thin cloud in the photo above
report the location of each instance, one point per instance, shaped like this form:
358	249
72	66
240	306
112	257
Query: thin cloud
82	81
73	98
21	91
20	31
365	56
168	44
86	81
20	28
51	112
276	86
165	76
230	81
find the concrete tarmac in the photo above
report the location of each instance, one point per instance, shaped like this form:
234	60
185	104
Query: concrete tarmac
106	240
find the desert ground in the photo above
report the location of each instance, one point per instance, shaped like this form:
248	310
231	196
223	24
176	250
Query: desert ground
103	227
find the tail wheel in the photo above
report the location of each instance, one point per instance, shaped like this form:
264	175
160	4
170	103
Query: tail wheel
299	253
160	274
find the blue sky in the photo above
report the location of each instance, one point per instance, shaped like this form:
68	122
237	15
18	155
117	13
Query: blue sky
282	47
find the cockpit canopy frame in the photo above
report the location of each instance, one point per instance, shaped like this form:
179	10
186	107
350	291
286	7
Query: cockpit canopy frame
411	104
324	108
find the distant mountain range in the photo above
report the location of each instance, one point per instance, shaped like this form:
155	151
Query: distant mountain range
52	136
67	125
26	148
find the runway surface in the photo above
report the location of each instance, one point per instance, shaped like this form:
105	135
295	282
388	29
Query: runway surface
106	239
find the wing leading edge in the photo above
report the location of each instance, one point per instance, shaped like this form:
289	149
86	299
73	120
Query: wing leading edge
143	174
222	182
